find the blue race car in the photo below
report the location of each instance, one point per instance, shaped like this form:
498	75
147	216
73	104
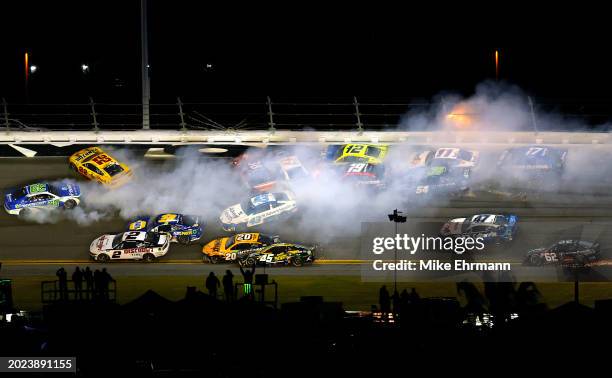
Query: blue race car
493	228
533	160
184	229
20	201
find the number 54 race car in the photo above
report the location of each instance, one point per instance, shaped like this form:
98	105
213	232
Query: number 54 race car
131	245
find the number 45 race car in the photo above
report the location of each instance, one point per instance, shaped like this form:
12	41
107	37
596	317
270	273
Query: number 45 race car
279	254
131	245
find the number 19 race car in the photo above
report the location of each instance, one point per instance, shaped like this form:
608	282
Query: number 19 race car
95	164
490	227
131	245
41	196
229	249
279	254
183	229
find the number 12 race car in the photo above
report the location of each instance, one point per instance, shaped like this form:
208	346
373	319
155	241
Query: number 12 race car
41	196
183	229
131	245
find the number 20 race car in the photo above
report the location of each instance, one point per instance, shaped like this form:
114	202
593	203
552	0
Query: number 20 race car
229	249
183	229
131	245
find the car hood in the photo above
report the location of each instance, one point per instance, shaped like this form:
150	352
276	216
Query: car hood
69	190
102	243
233	214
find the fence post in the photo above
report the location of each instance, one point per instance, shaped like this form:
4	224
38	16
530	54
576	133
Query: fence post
358	115
271	117
181	114
5	110
533	118
94	115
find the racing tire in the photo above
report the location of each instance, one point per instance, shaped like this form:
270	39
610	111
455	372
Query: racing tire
297	262
214	259
183	239
103	258
70	204
535	260
149	257
249	261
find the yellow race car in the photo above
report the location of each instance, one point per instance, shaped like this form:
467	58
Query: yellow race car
231	249
95	164
357	153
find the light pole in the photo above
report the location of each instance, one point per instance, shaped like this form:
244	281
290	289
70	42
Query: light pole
396	218
496	64
144	65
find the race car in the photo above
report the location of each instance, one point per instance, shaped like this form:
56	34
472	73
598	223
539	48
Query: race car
262	208
491	227
20	201
231	248
279	254
421	159
356	153
455	158
130	245
254	173
364	175
95	164
441	180
291	168
533	160
567	253
183	229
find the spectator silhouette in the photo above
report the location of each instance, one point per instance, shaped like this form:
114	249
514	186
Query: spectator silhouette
89	282
106	279
212	284
77	279
97	278
385	302
62	277
228	286
247	276
395	299
414	296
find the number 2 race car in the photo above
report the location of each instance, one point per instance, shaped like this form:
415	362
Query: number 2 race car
41	196
95	164
183	229
131	245
490	227
279	254
230	248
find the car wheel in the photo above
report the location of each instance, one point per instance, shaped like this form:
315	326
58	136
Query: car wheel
183	239
70	204
535	260
297	261
103	258
250	261
148	257
214	259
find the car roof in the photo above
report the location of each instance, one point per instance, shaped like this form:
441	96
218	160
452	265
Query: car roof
140	237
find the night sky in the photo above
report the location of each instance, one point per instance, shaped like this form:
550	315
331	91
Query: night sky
253	56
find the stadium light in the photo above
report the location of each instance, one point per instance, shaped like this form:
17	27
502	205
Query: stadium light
33	69
396	218
84	68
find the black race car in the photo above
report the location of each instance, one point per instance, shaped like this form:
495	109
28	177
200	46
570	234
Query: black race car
567	253
278	254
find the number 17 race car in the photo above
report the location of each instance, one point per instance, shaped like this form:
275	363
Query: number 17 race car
131	245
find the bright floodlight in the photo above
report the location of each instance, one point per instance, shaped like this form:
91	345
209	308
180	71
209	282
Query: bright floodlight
33	69
84	68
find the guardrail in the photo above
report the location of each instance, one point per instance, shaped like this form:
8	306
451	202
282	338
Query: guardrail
51	292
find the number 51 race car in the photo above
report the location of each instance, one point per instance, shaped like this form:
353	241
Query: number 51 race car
131	245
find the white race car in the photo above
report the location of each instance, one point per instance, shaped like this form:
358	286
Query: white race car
455	158
131	245
263	208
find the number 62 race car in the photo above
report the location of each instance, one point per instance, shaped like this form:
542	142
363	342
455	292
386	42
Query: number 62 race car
131	245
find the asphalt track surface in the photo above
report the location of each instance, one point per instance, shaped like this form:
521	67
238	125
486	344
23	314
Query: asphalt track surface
38	249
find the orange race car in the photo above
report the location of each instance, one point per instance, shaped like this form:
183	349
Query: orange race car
93	163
